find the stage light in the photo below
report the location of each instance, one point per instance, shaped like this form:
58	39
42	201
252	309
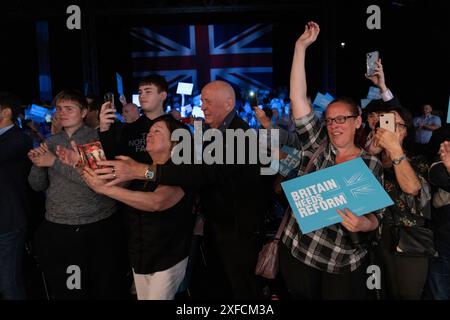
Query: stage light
342	44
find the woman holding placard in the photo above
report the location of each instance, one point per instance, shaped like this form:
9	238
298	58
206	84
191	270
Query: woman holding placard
326	263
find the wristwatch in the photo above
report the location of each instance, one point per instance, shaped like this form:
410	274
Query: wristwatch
398	160
149	174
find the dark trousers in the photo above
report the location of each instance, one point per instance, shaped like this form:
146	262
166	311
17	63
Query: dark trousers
438	281
231	261
403	277
305	283
90	254
11	257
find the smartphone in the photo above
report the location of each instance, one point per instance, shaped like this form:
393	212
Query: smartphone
109	96
371	59
253	100
387	121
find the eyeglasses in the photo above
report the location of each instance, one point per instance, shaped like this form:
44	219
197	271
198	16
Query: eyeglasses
400	125
338	119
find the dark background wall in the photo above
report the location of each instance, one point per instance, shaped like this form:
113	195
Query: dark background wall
413	42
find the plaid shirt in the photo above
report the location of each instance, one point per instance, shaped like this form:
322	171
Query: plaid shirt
329	249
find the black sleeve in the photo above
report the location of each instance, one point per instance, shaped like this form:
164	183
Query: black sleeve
439	176
394	102
197	176
190	176
112	141
16	149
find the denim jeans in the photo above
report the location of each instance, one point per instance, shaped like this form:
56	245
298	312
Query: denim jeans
11	257
438	282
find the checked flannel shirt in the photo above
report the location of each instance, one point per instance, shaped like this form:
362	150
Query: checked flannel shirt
329	249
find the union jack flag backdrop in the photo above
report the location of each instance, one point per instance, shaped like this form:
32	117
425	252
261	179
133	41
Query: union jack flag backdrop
240	54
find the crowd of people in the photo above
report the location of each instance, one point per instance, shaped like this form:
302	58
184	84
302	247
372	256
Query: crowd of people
132	220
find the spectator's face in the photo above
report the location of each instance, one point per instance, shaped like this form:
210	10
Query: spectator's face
427	109
216	104
150	99
176	114
342	135
400	127
130	113
372	119
158	139
3	114
70	114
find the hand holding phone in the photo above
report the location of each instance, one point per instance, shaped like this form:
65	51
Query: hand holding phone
371	62
107	115
387	121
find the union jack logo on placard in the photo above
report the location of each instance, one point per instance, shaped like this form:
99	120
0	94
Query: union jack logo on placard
239	54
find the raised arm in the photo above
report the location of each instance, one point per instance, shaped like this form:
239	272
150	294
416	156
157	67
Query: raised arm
406	177
379	79
298	88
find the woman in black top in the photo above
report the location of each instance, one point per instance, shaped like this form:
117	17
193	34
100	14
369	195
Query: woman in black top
406	242
161	220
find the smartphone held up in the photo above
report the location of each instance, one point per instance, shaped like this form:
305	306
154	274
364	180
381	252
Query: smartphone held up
371	62
387	121
109	97
253	100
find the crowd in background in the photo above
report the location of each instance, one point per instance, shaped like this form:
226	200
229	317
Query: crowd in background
138	196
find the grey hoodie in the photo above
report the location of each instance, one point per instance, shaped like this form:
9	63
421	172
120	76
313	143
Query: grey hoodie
69	200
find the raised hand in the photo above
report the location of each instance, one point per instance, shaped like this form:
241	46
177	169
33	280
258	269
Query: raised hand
308	37
378	78
262	118
123	99
107	116
389	141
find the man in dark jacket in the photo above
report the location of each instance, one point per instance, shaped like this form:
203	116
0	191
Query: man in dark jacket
14	169
230	196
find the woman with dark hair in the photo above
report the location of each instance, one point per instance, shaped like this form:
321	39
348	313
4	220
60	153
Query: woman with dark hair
405	265
161	220
370	117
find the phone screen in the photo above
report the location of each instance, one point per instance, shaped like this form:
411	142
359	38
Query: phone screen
371	59
253	101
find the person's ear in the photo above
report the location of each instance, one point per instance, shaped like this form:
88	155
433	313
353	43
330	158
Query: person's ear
84	113
358	122
229	104
163	95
